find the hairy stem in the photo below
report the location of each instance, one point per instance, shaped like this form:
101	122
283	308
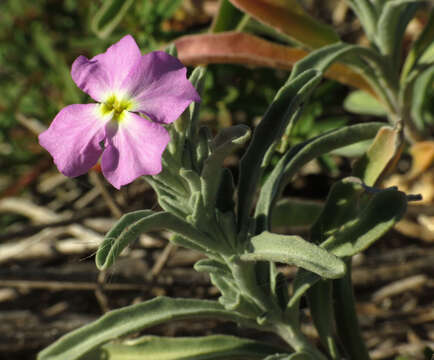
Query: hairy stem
295	338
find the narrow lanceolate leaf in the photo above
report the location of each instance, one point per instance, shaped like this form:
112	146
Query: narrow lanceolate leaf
303	281
285	105
393	20
211	347
420	104
322	59
360	102
130	319
363	59
289	18
226	141
109	16
381	152
320	302
241	48
130	226
340	208
383	211
367	15
347	324
299	155
294	250
425	39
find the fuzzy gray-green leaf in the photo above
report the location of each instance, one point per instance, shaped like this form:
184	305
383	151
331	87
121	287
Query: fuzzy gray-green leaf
366	12
324	57
286	103
383	211
130	319
392	23
130	226
299	155
226	142
211	347
294	250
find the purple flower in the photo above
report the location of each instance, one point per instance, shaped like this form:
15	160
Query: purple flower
135	94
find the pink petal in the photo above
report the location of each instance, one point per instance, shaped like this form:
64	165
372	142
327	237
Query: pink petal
134	150
159	88
73	138
103	74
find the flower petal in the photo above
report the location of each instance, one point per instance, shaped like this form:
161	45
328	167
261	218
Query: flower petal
73	138
104	73
134	150
159	88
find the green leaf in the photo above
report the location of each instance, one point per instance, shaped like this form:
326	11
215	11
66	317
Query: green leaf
383	211
339	209
324	57
367	15
392	23
279	287
320	303
423	94
343	201
428	56
197	78
127	320
360	102
353	150
225	197
225	143
301	154
365	60
212	267
293	250
131	225
289	18
227	18
285	105
422	43
292	212
303	281
347	324
109	16
211	347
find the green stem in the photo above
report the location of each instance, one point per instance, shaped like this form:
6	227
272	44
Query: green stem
346	318
245	276
295	338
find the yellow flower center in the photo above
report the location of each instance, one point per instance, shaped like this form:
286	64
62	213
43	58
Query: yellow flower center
116	107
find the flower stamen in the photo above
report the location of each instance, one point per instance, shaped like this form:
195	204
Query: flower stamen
116	107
